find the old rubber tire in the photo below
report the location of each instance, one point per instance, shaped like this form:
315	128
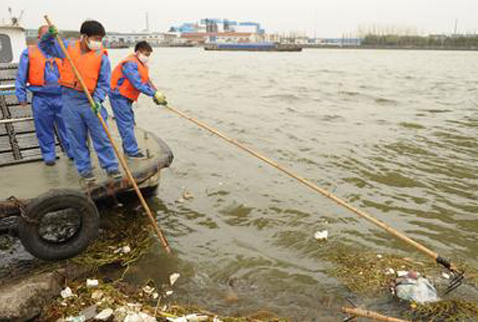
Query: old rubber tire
53	201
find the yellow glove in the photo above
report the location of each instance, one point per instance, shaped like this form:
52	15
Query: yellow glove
159	98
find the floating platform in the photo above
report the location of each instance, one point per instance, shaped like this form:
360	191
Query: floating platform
252	47
52	208
25	176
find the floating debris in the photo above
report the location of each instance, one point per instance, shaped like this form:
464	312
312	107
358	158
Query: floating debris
80	318
139	317
104	315
364	273
189	318
173	278
448	310
402	273
91	283
187	195
66	293
97	295
148	289
321	235
89	312
416	289
129	229
390	271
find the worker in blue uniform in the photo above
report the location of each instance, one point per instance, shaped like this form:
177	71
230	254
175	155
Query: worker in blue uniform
39	73
131	78
81	120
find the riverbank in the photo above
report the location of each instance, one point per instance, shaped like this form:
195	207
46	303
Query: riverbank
94	284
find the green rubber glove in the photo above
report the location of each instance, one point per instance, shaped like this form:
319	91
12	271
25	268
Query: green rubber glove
53	30
96	108
159	98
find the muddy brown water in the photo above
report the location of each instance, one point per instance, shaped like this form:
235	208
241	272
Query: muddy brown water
392	132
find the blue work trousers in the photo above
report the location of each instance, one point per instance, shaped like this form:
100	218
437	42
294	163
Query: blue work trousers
81	121
124	117
47	114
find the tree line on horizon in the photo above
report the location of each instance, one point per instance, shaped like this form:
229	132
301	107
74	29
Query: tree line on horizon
434	41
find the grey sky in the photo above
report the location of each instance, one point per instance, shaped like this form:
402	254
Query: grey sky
327	18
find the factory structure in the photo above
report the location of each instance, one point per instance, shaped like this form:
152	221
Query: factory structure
212	30
220	31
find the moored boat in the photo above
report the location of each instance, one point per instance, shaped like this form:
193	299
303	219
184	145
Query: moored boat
264	46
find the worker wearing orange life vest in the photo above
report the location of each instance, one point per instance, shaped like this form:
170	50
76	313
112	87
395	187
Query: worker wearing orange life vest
81	120
130	78
38	72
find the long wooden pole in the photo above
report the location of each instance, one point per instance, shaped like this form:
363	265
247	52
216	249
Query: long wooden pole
371	315
323	192
8	121
121	159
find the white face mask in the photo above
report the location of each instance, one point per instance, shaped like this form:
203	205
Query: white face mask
143	58
93	45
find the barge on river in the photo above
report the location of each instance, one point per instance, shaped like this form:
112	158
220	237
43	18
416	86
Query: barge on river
34	197
264	46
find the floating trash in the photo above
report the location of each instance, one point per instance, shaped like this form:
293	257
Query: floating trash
66	293
187	195
321	235
390	271
104	315
414	288
189	318
148	289
91	283
173	278
139	317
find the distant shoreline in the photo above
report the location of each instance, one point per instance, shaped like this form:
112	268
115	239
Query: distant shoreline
431	48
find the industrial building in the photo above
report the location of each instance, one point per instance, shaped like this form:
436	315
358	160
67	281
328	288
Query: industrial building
219	30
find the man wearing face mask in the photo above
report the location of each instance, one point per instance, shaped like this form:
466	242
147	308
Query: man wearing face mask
81	120
130	78
39	73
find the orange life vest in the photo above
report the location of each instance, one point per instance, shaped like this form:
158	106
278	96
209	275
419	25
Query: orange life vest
37	63
126	88
88	65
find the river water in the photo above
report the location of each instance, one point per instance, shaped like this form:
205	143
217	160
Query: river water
392	132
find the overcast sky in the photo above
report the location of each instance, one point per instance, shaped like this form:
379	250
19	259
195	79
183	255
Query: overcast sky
326	18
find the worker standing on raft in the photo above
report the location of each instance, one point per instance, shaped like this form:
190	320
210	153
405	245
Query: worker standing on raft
93	64
41	72
130	78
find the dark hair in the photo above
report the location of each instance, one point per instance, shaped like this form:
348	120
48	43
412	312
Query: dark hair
92	28
143	45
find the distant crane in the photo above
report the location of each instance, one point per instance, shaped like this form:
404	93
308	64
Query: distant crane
15	21
147	22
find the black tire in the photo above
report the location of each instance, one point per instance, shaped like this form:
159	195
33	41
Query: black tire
54	201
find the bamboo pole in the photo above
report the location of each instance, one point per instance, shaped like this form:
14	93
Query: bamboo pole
9	121
316	188
371	315
121	159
